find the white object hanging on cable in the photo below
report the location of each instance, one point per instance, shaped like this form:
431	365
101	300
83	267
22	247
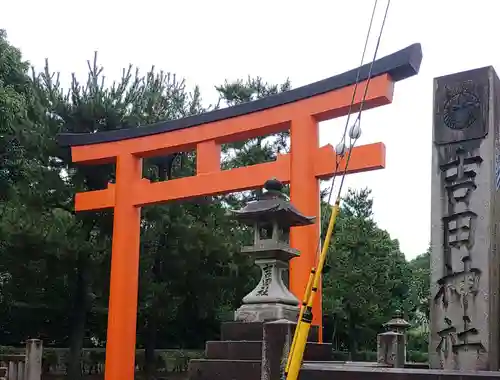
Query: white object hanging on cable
341	148
355	130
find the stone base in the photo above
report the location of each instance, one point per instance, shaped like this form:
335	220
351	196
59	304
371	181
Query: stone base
253	351
391	349
266	312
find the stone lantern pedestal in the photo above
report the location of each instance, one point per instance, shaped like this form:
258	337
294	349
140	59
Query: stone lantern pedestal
270	300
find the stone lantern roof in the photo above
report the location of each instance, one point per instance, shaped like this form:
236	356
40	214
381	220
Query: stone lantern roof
273	204
397	323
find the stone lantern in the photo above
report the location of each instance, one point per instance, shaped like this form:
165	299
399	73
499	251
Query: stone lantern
391	345
271	217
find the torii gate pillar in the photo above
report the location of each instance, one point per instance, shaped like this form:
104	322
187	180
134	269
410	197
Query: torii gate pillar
305	195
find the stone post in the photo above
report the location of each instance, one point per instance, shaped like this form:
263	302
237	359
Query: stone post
391	345
33	366
464	237
277	340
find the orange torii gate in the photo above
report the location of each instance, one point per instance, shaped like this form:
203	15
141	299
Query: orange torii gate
299	110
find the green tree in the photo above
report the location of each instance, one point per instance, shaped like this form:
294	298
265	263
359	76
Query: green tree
32	234
420	301
178	239
92	107
420	283
180	243
54	273
366	281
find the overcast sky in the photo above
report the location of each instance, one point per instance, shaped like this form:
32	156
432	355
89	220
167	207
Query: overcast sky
210	41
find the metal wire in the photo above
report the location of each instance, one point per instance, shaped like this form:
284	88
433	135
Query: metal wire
316	276
349	112
358	119
352	142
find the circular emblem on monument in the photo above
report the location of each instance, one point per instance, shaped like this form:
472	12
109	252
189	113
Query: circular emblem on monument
461	109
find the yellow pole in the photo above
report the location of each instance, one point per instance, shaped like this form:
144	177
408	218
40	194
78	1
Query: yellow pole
302	329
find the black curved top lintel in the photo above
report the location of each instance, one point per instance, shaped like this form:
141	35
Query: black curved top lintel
400	65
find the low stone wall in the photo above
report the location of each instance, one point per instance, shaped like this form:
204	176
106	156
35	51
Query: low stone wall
55	359
167	360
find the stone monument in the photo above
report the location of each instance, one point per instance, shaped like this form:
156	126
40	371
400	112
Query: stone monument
465	221
271	217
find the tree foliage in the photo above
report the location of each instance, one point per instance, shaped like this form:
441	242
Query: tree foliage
420	299
54	272
367	278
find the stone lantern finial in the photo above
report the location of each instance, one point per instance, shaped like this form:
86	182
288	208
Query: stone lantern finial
273	185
